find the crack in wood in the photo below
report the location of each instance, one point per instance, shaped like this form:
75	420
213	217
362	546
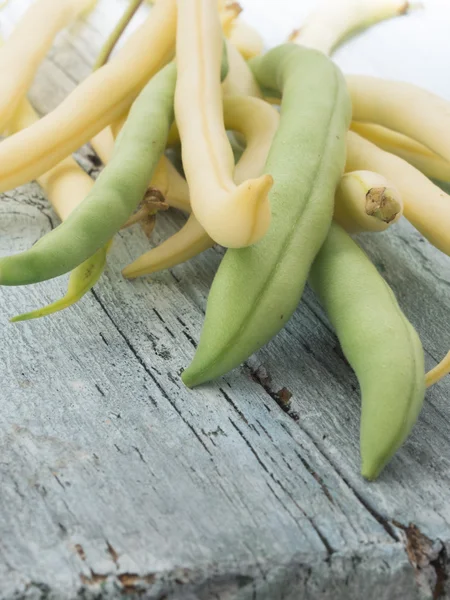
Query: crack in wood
282	396
316	476
253	451
58	479
236	408
150	374
139	453
330	550
112	552
101	392
375	514
423	259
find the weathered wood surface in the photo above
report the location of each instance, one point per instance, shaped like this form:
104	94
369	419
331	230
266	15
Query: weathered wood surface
116	480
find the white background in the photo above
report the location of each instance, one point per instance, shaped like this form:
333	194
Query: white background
414	47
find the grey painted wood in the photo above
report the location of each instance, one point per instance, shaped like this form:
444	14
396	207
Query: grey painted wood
117	481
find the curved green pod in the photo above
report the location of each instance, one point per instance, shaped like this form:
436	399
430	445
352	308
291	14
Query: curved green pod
379	342
116	193
81	280
256	289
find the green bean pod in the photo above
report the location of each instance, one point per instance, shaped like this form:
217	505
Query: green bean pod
116	193
256	289
81	280
379	342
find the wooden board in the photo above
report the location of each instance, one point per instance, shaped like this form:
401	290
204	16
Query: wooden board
117	481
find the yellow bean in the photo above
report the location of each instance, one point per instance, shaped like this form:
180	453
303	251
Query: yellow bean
233	216
333	22
403	107
246	39
240	80
26	47
429	163
100	99
103	144
439	371
66	184
366	201
425	205
229	12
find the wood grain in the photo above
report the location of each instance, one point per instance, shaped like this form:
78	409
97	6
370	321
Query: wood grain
117	481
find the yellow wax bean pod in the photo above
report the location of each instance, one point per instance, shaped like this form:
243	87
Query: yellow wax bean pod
118	124
240	80
171	184
234	216
228	12
402	107
81	280
118	30
366	201
332	22
439	371
103	144
418	155
257	121
177	194
187	243
426	206
24	50
246	39
100	99
66	185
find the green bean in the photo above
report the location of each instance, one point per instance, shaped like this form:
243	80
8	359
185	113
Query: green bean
81	280
116	193
85	276
256	289
379	342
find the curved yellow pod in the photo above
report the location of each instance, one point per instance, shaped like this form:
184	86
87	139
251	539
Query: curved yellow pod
257	121
24	50
95	103
333	21
366	201
246	39
240	80
402	107
66	184
439	371
426	206
418	155
103	144
234	216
